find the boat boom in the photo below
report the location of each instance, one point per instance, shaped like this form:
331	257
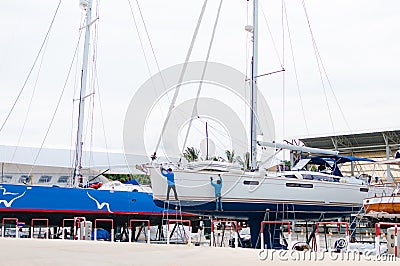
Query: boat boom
273	144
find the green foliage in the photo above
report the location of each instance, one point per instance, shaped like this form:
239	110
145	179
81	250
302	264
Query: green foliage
191	154
287	163
142	179
245	163
230	156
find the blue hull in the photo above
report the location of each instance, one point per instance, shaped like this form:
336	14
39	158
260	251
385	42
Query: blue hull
59	202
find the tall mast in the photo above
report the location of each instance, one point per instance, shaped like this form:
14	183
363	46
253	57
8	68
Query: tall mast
253	91
86	5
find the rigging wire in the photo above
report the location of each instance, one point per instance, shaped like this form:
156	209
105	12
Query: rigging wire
72	135
102	116
56	109
102	121
93	84
222	133
180	78
326	74
152	48
146	59
295	71
194	112
319	62
141	44
247	43
30	103
154	56
33	66
248	62
76	85
271	36
283	77
321	65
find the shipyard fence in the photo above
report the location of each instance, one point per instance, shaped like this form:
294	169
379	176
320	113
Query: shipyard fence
111	221
39	233
275	223
142	226
340	243
379	234
3	227
64	228
181	232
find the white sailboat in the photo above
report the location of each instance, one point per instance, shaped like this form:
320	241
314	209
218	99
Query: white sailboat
256	194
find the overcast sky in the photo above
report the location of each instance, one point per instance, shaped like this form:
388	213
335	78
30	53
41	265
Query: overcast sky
358	42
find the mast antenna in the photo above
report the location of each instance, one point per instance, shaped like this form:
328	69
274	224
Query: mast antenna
87	6
253	91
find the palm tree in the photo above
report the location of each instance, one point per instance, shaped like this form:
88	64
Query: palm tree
230	156
246	162
191	154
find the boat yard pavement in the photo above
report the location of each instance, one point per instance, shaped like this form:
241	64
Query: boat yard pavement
67	252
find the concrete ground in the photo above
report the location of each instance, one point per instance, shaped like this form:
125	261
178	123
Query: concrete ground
67	252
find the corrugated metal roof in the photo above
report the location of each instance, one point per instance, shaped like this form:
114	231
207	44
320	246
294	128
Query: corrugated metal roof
360	144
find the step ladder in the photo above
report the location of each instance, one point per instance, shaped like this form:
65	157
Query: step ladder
311	236
277	233
176	218
356	221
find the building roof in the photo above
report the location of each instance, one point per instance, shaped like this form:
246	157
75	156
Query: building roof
371	144
63	158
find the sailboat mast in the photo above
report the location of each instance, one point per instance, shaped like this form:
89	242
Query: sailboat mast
253	91
86	5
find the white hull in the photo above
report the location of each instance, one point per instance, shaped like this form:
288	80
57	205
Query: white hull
250	187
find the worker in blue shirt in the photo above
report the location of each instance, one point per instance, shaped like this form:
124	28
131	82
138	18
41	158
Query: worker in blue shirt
217	187
171	181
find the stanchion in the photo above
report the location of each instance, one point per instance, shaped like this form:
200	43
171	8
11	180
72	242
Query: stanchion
148	228
37	220
262	225
104	220
325	223
63	227
378	235
182	222
77	225
3	229
236	233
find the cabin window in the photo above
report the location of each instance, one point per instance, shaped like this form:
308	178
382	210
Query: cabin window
63	179
364	189
291	176
45	179
6	178
299	185
24	179
308	177
248	182
323	178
